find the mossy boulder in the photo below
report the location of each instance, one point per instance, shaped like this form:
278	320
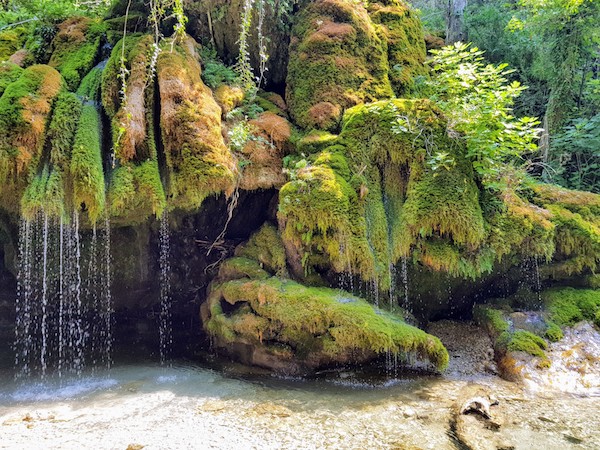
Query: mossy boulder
198	161
401	28
76	47
287	327
25	110
372	199
337	60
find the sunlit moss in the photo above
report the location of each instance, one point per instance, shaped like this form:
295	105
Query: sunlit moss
86	165
75	48
198	161
402	29
315	320
337	60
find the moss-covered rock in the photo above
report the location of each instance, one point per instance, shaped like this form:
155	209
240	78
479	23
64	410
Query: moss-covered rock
9	72
510	340
289	327
25	109
76	47
575	216
373	199
51	189
136	189
266	247
262	155
197	158
568	306
337	60
403	32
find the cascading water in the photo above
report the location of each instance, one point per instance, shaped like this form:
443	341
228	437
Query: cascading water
165	319
62	321
405	303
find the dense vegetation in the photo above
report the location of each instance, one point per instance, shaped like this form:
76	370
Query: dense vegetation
385	153
554	48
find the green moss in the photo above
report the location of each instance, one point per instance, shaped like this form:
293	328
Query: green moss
266	247
315	141
45	194
9	73
25	107
198	161
135	192
91	85
76	48
577	240
337	60
553	332
524	341
372	199
111	81
240	267
492	319
11	40
567	306
403	32
86	165
62	128
315	320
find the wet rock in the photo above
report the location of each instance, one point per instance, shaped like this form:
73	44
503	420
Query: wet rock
574	364
272	409
476	419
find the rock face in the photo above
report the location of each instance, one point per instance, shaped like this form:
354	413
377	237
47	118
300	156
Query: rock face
343	167
337	60
555	349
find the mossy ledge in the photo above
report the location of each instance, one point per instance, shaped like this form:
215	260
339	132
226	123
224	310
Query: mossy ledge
285	326
295	328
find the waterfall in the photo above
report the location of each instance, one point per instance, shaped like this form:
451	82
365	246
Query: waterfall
405	303
165	320
106	308
63	305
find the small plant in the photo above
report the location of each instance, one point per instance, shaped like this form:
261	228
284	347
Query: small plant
239	135
214	72
478	100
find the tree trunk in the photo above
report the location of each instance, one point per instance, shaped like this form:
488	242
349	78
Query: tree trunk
454	21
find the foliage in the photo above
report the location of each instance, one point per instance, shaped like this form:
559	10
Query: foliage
478	100
49	11
577	147
214	72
